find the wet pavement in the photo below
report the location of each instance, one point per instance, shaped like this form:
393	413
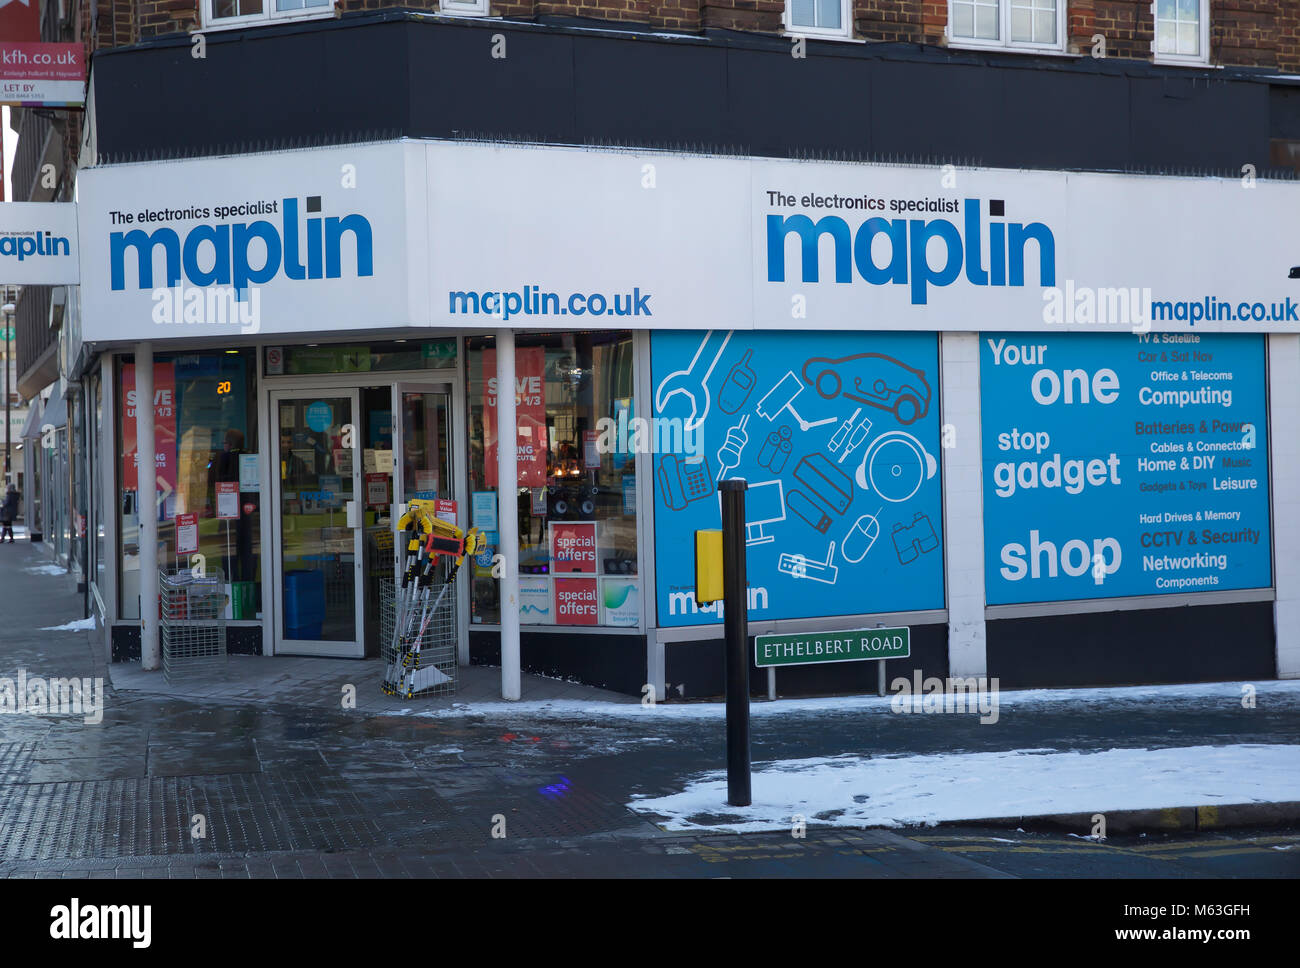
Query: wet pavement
270	783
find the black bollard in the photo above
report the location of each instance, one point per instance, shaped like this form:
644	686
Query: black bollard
736	626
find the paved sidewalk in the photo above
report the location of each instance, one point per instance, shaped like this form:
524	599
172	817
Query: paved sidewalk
317	683
246	780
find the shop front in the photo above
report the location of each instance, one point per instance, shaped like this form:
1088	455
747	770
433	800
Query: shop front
947	416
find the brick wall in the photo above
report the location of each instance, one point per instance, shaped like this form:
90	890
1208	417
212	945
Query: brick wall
1253	33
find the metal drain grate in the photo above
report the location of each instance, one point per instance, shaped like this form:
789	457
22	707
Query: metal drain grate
153	816
15	761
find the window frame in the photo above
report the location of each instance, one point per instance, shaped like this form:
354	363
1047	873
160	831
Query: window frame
269	15
844	32
1004	31
466	8
1194	60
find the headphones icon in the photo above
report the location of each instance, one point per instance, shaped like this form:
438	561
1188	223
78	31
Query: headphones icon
895	465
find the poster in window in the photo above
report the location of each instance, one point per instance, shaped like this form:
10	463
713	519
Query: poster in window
530	415
164	434
227	500
187	533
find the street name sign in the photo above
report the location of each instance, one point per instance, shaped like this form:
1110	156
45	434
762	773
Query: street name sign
810	648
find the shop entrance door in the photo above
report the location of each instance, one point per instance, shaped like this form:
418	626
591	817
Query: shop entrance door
316	479
423	448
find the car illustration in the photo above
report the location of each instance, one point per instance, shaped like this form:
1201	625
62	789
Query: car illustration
874	379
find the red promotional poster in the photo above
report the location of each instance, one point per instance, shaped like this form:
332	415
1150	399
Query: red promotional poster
573	547
187	533
530	415
575	601
227	500
164	434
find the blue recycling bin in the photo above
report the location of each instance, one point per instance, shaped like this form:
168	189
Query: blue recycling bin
304	603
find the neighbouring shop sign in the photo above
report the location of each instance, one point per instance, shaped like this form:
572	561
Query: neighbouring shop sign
530	416
810	648
1124	465
38	242
36	75
838	436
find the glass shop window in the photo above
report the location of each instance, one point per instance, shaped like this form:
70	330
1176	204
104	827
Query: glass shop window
206	499
576	499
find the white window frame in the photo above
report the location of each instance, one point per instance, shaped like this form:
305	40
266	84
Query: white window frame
1200	59
269	15
1004	32
466	8
844	32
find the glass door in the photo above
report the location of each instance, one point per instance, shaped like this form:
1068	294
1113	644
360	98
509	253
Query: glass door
422	448
317	479
425	445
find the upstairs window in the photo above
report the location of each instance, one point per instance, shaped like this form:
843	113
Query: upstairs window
1181	31
818	18
238	13
1016	24
465	8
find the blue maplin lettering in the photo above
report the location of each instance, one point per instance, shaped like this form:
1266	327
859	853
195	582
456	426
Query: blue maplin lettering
908	246
40	243
241	254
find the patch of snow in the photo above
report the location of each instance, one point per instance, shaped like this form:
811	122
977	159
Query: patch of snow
450	749
46	570
594	709
893	791
80	625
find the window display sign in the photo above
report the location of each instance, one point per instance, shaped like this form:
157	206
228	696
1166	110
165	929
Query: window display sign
377	490
621	601
575	601
573	547
535	601
187	533
530	415
164	434
1120	465
227	499
248	473
838	437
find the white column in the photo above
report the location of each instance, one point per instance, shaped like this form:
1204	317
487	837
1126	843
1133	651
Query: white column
963	506
1283	417
147	506
508	512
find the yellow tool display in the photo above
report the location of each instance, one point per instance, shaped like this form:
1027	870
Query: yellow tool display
428	541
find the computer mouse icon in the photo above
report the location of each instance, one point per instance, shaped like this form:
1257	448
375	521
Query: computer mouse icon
861	536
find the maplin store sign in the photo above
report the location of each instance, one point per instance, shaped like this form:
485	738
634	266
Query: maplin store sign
38	243
541	237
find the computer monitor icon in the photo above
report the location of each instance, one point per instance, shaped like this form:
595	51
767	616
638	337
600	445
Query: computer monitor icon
764	504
